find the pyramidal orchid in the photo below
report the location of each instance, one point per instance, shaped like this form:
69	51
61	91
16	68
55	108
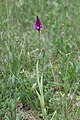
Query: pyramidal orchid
38	24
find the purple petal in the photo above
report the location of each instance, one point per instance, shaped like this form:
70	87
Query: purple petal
38	25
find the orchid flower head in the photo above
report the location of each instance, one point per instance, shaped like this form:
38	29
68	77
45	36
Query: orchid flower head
38	24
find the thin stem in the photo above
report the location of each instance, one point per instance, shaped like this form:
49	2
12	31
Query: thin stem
39	40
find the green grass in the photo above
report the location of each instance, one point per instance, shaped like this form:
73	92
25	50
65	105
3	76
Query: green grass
58	54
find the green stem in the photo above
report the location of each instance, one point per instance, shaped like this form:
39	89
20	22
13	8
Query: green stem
39	40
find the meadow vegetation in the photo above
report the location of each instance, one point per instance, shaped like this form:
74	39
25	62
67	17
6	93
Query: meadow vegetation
40	74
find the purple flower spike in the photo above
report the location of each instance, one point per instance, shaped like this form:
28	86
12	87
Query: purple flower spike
38	25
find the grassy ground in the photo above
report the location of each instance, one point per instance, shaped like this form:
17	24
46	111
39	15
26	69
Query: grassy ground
57	53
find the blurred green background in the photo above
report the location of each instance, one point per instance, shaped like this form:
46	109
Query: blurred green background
57	50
